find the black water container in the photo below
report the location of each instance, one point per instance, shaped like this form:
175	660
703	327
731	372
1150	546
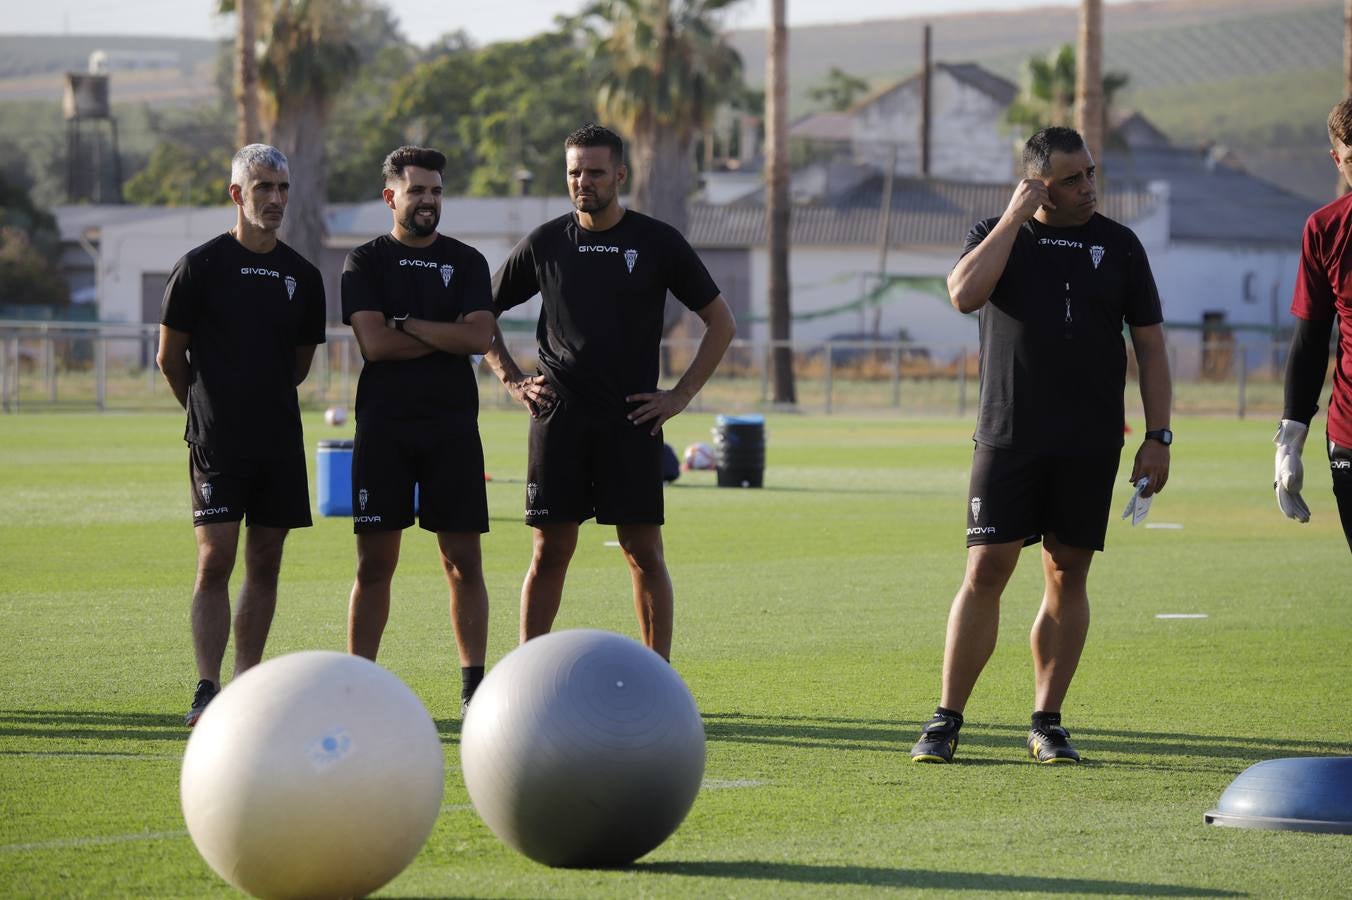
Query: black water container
739	450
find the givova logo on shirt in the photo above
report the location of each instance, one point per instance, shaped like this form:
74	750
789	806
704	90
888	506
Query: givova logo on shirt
257	270
630	256
446	270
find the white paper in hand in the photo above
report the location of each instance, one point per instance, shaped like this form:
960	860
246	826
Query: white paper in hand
1138	506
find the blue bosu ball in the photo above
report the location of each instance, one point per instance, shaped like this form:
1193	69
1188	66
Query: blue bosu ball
1307	793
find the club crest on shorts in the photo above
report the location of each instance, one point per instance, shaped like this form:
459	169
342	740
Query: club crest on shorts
532	489
976	509
446	272
206	491
1096	254
362	496
630	257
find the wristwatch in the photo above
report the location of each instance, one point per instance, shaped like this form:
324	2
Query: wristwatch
1163	435
399	321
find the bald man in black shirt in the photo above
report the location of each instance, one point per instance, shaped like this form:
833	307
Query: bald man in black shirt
1055	283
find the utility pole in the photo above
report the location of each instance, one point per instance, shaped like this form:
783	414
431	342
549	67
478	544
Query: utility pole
777	210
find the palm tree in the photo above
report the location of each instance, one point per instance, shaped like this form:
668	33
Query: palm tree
1089	117
247	128
663	68
308	55
777	208
1048	92
838	90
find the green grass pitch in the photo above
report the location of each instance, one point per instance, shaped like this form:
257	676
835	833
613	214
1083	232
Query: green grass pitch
810	619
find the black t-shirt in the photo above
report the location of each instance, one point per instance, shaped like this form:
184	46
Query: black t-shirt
440	283
604	291
1053	357
246	313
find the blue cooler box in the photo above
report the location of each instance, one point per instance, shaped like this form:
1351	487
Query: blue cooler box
333	478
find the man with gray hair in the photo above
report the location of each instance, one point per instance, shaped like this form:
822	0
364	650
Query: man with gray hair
1055	283
241	317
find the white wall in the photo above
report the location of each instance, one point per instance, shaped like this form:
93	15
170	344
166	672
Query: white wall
1251	286
966	140
828	276
129	250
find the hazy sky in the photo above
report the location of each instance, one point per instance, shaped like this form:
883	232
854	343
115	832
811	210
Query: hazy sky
424	20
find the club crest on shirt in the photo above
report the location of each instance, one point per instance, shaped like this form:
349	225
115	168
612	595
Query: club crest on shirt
1096	254
446	272
290	287
630	257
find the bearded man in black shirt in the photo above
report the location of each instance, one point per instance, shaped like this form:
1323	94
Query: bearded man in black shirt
596	412
420	304
1055	283
241	317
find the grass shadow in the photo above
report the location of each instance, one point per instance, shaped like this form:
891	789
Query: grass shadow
874	734
924	879
86	724
448	730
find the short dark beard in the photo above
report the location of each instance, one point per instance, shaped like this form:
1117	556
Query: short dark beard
411	223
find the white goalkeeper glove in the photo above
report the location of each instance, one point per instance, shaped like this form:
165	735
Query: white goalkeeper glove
1290	475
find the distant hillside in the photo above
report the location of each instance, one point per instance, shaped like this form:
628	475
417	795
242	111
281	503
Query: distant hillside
33	67
1256	75
31	54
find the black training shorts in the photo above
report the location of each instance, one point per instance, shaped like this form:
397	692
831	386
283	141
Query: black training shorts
1340	464
272	492
1018	495
446	463
587	465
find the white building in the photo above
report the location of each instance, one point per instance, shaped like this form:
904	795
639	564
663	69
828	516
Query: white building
967	138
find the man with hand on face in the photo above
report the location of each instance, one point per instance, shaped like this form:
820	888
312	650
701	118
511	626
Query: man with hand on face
1055	282
597	414
420	304
1323	293
241	318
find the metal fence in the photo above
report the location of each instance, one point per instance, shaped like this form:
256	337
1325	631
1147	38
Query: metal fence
100	366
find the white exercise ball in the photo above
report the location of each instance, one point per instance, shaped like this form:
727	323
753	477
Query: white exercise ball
316	774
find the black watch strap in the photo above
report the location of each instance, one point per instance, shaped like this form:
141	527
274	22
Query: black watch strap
1163	435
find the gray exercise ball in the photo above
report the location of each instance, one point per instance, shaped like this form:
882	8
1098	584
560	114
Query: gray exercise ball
582	749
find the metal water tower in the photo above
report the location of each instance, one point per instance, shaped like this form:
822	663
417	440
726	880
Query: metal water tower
93	163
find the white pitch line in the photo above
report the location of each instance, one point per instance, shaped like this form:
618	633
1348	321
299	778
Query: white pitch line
1172	526
1180	615
66	843
718	784
610	543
